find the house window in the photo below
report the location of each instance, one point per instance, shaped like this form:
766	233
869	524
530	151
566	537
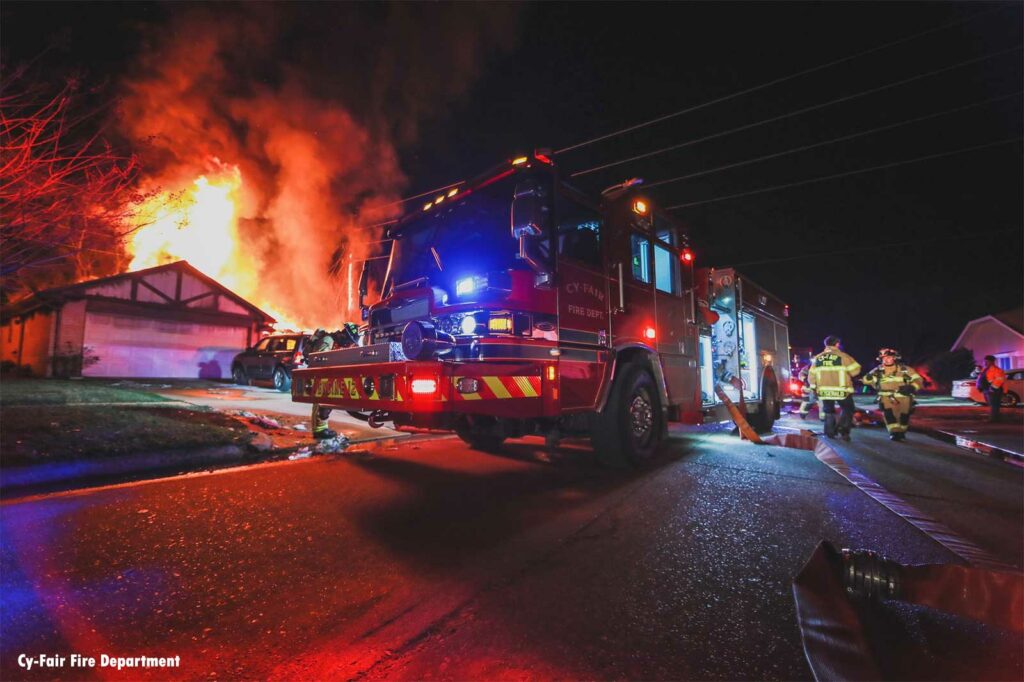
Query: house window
1005	362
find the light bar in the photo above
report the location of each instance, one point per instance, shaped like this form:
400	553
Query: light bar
519	161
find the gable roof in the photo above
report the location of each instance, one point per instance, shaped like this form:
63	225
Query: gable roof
1014	319
58	295
1011	319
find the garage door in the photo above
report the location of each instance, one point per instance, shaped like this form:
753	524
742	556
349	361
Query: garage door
144	347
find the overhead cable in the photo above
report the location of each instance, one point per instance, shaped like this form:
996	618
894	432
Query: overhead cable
798	112
877	247
828	142
845	174
776	81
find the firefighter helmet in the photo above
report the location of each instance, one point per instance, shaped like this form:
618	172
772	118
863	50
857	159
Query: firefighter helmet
888	352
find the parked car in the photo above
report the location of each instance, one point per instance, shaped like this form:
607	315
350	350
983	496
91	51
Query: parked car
1013	389
272	358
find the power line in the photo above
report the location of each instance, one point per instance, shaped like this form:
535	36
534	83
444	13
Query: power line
798	112
774	82
874	247
423	194
832	141
845	174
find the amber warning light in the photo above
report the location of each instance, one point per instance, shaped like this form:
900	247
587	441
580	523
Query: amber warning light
640	207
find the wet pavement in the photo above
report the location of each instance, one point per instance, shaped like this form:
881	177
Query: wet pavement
422	559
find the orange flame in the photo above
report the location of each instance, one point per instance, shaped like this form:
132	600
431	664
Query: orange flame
199	224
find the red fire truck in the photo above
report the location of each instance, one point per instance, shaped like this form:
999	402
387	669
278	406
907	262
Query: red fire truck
516	305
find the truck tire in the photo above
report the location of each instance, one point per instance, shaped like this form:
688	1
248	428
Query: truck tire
238	375
629	429
764	420
282	380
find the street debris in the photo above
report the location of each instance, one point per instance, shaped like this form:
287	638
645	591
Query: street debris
301	427
265	422
246	414
301	453
261	442
329	445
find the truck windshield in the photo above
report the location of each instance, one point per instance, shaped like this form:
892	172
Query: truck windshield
467	236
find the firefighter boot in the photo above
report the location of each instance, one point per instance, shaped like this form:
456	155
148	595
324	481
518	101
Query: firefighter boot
830	425
321	430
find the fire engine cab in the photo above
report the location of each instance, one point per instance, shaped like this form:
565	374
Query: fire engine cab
515	305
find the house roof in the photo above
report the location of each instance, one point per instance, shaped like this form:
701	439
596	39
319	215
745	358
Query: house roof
58	295
1014	319
1011	319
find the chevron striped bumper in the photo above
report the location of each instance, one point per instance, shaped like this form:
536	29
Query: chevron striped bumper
518	389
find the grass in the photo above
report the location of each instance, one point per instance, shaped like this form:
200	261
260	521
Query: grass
33	433
67	392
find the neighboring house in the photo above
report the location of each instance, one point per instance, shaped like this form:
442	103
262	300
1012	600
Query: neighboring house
168	321
1001	335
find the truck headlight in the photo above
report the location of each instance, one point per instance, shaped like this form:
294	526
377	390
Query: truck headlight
468	325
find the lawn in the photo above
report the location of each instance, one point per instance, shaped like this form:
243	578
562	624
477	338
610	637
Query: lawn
48	420
69	392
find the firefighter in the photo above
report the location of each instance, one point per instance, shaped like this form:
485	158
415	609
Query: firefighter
808	395
990	382
896	384
319	342
831	378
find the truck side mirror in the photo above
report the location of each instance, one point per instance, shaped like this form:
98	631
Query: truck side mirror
528	220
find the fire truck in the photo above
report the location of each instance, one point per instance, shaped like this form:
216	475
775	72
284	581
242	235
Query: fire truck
515	304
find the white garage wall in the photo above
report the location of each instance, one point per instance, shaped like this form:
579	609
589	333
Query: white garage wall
144	347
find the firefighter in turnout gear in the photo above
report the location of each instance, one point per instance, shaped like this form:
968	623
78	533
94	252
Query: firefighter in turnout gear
319	342
831	378
896	384
809	399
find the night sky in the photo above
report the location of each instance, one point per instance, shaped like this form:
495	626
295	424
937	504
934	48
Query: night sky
552	75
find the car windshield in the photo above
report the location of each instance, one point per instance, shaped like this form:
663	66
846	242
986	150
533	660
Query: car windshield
468	236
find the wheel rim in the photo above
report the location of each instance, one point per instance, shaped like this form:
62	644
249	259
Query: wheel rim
1009	399
278	379
641	418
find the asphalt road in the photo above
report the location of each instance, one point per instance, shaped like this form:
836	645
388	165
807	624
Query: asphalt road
424	559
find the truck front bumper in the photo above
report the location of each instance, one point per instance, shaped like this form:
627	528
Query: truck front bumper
513	389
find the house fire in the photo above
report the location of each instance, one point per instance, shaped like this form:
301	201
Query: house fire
168	321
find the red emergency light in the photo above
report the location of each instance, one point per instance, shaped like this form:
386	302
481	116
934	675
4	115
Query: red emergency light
687	255
650	333
794	386
423	386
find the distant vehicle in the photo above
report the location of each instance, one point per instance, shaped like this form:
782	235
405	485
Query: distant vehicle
1013	389
272	358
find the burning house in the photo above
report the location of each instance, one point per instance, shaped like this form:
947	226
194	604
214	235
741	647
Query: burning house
165	321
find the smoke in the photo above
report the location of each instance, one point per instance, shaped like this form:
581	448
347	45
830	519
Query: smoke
311	103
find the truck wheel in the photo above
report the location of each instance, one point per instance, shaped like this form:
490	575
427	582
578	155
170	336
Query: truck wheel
629	429
765	419
238	375
282	380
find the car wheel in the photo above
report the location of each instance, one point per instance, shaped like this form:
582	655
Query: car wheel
282	380
629	429
238	375
1010	399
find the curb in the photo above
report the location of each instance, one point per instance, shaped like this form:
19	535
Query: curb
980	447
69	475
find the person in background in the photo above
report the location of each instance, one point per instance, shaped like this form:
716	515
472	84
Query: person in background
896	384
831	378
990	382
809	399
